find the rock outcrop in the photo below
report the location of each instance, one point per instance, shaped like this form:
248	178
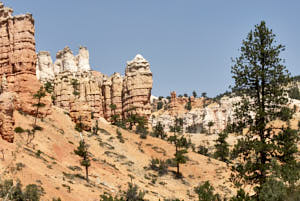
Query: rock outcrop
203	111
17	64
7	121
137	86
46	70
88	94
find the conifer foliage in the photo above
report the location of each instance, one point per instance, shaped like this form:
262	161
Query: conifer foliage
82	151
261	78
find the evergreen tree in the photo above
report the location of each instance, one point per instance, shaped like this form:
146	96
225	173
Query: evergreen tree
261	80
181	144
222	150
31	132
82	151
195	94
39	95
158	131
48	87
206	192
188	105
115	118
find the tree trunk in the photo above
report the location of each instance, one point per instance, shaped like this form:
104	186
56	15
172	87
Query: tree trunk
87	173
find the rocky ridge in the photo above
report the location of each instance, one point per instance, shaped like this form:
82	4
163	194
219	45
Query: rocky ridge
219	112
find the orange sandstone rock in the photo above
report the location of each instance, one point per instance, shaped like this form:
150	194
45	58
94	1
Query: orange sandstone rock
18	62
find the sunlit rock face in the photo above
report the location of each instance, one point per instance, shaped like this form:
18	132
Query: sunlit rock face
137	86
65	61
89	95
203	111
17	69
45	67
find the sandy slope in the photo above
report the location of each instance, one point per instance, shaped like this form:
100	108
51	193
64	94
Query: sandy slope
113	163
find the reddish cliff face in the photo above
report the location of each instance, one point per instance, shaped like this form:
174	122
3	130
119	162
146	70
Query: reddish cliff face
17	63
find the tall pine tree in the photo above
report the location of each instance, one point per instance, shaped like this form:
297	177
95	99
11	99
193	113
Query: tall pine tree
261	80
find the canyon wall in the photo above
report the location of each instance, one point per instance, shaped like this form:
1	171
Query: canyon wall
17	68
88	95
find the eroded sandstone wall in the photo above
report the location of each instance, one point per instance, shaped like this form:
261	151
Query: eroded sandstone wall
88	95
17	67
137	86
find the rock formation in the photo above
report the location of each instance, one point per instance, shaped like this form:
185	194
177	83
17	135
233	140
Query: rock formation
17	65
203	111
88	94
7	122
45	67
137	87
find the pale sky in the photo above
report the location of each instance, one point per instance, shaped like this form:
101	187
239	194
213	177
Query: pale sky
189	43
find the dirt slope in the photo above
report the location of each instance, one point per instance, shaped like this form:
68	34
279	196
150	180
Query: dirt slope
50	162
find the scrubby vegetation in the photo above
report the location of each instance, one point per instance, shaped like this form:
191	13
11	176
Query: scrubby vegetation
11	191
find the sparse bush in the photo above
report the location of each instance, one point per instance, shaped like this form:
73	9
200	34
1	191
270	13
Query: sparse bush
159	105
38	153
19	130
132	194
20	166
75	85
203	150
160	166
9	191
119	136
285	114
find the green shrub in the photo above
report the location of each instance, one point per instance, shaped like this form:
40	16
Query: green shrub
159	105
32	192
285	114
205	192
119	136
203	150
160	166
19	130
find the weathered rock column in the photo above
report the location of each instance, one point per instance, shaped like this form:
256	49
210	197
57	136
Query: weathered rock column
137	86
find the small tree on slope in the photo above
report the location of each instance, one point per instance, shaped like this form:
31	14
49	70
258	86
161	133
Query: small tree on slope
222	147
82	151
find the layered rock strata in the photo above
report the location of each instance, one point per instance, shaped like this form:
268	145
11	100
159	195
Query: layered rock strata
7	121
137	87
88	94
17	65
